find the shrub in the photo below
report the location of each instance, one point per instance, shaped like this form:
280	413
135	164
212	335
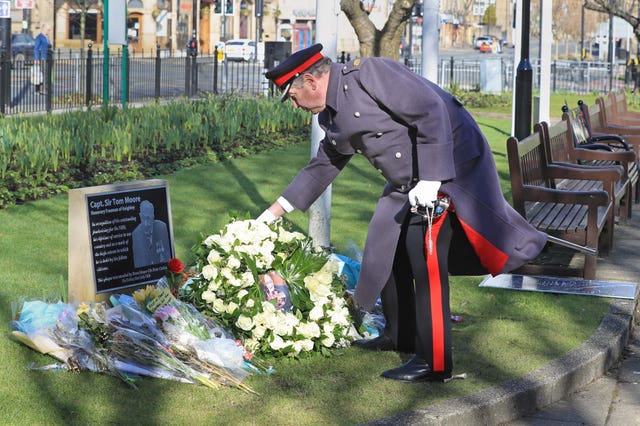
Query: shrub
45	155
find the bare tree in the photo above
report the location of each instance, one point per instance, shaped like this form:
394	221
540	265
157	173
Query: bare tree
83	7
461	10
375	42
624	9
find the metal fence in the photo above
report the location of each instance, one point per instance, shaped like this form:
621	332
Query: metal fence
76	79
566	76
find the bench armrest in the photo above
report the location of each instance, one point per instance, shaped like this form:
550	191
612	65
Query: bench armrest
549	195
590	154
558	171
595	146
616	141
622	129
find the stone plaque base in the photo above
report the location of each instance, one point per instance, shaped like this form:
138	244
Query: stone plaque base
578	286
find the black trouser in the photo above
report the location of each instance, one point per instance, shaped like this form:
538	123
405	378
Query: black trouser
416	301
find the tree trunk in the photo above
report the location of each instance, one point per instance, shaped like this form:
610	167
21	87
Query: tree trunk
374	42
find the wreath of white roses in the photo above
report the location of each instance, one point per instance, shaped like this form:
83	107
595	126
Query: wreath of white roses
227	288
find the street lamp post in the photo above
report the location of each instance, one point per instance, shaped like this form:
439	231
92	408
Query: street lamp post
105	53
583	52
259	5
524	79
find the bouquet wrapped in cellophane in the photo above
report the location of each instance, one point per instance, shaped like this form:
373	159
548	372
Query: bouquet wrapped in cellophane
150	334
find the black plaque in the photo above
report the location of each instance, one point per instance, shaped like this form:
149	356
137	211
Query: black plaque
125	251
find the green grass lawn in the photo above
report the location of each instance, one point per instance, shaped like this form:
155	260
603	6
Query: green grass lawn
503	334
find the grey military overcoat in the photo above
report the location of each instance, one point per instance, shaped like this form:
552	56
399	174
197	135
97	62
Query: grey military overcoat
409	129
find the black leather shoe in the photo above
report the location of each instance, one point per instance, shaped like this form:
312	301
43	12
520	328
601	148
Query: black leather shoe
416	370
380	343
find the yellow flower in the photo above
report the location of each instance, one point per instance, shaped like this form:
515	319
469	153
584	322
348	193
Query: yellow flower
143	295
82	308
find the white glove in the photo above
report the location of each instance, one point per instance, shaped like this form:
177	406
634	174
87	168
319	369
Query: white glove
266	217
424	193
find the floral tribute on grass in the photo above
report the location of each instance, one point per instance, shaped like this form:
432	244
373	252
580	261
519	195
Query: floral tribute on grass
150	334
272	289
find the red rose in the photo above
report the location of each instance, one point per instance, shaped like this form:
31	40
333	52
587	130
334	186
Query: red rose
175	265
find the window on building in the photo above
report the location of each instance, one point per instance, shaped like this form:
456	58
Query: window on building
90	28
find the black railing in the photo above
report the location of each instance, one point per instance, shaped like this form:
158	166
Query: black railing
77	78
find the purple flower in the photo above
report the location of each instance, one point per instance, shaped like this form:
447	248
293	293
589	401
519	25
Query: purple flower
165	312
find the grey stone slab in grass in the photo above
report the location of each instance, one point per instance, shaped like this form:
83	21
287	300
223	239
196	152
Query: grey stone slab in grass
618	290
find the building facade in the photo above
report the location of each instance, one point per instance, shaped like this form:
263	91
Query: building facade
170	24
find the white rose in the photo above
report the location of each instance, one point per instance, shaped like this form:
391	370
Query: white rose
309	330
209	272
328	341
250	303
277	343
227	274
236	282
213	257
291	319
271	320
339	317
219	306
214	285
231	307
233	262
259	331
242	293
251	344
208	296
247	279
302	345
268	307
211	240
317	288
244	322
283	329
316	313
327	328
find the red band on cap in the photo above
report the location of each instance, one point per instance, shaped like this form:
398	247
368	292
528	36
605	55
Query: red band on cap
279	81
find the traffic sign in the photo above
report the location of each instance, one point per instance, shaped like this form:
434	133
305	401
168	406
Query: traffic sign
24	4
5	9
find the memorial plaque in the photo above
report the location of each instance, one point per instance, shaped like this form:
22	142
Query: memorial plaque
120	237
563	285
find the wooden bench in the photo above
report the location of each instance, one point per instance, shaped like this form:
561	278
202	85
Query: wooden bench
617	111
609	178
581	217
570	143
597	125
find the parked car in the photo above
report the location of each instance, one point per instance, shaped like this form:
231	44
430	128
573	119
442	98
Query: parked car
243	49
486	47
480	40
240	50
22	45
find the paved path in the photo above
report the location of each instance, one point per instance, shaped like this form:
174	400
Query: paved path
614	398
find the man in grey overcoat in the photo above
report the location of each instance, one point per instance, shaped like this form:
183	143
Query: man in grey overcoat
428	148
